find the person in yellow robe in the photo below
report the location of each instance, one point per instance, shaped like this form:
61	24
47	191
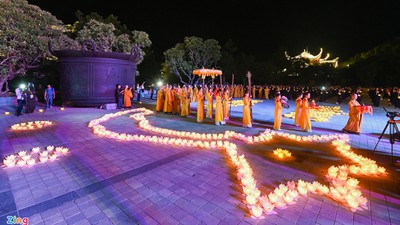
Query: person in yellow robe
160	100
184	101
305	120
200	105
297	112
266	92
226	102
169	99
219	114
209	98
355	117
278	113
194	94
253	91
260	89
241	93
176	104
236	88
246	121
128	95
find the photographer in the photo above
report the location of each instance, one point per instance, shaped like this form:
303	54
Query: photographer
21	97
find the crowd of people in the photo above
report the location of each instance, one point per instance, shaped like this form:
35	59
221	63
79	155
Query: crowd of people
27	96
173	99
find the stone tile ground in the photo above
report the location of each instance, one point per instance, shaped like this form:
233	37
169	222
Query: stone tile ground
105	181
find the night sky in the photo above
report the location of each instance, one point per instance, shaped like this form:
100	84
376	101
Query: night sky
259	28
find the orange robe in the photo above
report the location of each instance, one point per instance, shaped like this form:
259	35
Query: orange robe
297	112
226	106
260	93
246	122
200	106
128	95
236	94
305	120
355	117
184	101
176	104
209	99
278	114
266	93
219	116
160	100
168	101
253	91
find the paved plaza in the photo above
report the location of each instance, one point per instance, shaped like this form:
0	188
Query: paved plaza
102	180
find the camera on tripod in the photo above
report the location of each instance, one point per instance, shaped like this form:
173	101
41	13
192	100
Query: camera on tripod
392	114
393	130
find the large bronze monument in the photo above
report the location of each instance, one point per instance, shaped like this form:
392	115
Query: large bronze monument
89	77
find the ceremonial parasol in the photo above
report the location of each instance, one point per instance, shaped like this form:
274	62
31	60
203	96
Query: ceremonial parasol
208	73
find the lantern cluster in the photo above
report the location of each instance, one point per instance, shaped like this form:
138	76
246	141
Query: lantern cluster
32	125
36	155
342	188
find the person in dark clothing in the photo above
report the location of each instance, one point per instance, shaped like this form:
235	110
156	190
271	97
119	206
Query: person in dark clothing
377	98
49	95
31	100
152	86
119	94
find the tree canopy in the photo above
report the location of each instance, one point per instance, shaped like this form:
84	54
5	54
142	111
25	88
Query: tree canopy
193	53
25	31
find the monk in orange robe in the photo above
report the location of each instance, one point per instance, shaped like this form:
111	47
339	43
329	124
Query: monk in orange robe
355	117
246	121
266	92
209	98
160	100
176	104
184	101
227	99
200	105
219	114
260	89
241	93
297	112
305	120
169	99
278	112
128	95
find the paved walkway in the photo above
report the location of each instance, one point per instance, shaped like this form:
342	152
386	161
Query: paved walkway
107	181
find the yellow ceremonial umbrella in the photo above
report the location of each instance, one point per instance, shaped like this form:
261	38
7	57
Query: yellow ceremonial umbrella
208	73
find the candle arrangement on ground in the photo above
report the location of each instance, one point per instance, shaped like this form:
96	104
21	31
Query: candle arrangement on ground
32	125
340	188
237	103
36	155
321	114
282	153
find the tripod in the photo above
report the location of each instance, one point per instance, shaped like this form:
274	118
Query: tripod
392	128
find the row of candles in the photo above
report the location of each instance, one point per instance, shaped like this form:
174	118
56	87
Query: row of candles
237	103
31	125
36	155
342	188
320	114
40	110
